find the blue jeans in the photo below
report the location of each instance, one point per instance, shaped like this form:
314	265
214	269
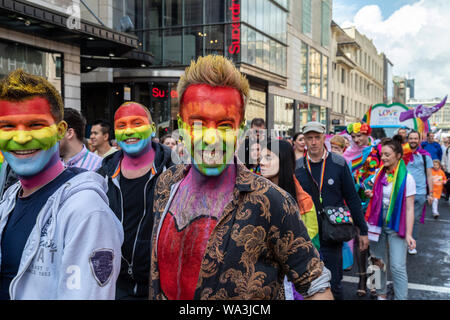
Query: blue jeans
419	203
331	255
397	251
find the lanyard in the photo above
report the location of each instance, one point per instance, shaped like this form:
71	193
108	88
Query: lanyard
322	174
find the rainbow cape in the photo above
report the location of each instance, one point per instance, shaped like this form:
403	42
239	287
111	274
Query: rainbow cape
396	214
308	213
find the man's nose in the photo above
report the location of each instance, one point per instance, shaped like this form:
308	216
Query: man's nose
210	136
22	137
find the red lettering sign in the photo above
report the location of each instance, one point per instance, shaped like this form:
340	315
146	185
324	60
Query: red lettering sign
158	93
235	9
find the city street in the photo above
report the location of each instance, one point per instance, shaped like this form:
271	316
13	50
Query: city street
429	270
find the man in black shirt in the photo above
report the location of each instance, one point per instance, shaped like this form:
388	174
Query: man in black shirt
131	174
334	181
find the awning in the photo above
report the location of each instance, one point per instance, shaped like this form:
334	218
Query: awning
131	59
93	39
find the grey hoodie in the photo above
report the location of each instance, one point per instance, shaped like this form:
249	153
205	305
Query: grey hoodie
74	250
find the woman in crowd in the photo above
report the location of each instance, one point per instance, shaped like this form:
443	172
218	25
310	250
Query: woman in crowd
169	141
390	216
277	165
299	145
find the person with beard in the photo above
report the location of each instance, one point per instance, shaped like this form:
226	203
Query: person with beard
419	164
72	149
327	178
220	231
131	174
51	247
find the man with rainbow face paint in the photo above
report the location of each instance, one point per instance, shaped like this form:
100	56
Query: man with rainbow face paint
59	238
131	175
220	231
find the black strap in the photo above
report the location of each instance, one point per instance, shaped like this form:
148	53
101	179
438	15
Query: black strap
426	174
315	189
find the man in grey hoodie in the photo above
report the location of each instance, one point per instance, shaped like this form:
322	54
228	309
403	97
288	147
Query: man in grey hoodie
59	239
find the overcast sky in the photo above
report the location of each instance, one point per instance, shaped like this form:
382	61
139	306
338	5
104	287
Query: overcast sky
414	35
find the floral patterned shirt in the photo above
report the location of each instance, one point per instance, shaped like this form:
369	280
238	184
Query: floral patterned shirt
258	240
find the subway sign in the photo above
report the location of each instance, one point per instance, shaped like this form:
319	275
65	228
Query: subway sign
235	10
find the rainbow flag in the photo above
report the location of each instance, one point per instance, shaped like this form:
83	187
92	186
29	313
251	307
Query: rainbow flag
308	213
396	215
366	118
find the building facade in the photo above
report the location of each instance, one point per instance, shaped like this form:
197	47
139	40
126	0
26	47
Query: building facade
49	38
357	75
252	33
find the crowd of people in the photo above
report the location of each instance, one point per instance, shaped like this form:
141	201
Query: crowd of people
208	212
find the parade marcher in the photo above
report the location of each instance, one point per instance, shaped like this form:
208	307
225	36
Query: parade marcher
446	167
439	179
332	178
338	145
390	216
299	145
100	138
432	147
363	166
131	174
222	232
419	164
278	165
404	134
51	246
72	149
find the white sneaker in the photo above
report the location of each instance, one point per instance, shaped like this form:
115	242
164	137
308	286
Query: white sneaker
435	215
413	251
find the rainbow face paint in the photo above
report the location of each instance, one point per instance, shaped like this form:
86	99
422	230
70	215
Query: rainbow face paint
132	128
210	122
29	134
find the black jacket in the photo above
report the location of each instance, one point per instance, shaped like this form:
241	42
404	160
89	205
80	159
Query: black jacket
134	276
338	187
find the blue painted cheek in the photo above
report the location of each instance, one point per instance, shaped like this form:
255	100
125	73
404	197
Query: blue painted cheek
33	165
132	149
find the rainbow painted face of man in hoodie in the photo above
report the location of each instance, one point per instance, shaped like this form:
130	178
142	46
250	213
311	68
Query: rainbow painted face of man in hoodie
28	139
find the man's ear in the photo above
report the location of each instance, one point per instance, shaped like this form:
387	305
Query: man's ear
61	129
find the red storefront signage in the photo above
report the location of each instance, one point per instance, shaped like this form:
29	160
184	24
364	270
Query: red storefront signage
158	93
235	9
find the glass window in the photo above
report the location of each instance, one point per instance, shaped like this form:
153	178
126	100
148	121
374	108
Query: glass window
152	18
193	12
306	17
267	7
172	47
266	53
251	46
244	10
325	78
260	15
214	41
279	67
215	11
304	67
259	50
244	43
173	10
273	56
283	27
314	72
326	20
252	12
192	44
153	44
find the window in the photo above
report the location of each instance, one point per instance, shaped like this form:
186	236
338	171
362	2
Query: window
152	18
305	67
326	20
192	44
172	47
306	17
315	67
214	11
324	77
193	12
173	12
343	75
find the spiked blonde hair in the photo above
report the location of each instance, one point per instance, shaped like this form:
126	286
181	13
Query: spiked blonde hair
216	71
19	85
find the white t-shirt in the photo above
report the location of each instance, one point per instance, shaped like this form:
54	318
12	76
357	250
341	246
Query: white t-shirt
410	190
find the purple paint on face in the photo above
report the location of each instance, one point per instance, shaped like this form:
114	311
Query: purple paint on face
140	160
